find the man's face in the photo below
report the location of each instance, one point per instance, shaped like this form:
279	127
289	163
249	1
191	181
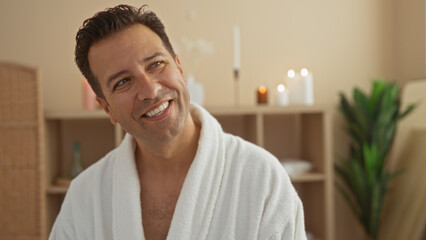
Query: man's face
143	84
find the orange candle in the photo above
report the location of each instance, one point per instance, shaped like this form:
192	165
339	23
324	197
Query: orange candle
262	95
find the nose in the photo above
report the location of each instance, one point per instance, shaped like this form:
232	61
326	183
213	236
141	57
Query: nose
147	87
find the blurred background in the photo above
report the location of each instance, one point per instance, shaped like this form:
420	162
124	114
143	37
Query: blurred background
345	44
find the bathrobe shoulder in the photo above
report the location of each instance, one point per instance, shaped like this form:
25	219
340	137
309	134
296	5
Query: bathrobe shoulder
257	198
103	198
233	190
257	185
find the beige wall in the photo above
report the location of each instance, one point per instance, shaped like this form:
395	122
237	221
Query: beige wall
409	40
344	43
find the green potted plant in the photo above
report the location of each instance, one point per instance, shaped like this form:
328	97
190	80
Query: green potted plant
371	123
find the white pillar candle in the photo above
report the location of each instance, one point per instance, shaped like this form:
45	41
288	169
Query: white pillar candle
307	87
294	87
237	48
282	98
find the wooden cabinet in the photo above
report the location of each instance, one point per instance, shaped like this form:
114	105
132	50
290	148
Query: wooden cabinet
288	133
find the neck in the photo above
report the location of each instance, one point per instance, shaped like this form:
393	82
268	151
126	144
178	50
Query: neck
172	157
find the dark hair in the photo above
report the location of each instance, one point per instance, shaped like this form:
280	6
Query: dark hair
104	24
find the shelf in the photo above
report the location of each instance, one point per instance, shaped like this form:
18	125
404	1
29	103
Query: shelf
56	189
60	186
75	114
87	114
266	110
308	177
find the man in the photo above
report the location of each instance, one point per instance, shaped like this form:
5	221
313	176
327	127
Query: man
176	175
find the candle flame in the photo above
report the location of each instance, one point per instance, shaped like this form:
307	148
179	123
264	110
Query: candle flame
291	73
281	88
262	89
304	72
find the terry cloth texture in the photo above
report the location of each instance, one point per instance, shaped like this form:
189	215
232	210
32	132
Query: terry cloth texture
233	190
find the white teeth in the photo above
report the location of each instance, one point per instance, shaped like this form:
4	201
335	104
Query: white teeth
158	110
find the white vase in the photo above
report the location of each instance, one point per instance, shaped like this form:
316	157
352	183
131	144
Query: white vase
196	90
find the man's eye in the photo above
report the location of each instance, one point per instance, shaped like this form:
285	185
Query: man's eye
156	66
121	83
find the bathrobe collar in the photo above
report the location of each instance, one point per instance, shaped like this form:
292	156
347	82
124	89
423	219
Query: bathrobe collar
195	206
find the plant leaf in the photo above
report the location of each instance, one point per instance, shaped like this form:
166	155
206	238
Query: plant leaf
371	123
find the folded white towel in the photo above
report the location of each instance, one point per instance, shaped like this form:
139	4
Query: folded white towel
296	167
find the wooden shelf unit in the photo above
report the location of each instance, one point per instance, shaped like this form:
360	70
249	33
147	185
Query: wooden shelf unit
97	136
295	132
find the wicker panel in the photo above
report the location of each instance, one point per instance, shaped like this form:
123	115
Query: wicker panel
18	94
19	148
21	190
18	195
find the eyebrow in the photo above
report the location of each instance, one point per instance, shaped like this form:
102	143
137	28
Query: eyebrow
118	74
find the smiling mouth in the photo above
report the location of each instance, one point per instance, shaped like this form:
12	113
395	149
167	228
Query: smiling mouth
157	111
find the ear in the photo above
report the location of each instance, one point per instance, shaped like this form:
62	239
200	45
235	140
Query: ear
105	106
177	60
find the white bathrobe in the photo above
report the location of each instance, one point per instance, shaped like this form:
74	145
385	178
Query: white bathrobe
233	190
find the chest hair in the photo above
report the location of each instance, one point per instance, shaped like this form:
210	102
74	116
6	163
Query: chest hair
157	212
